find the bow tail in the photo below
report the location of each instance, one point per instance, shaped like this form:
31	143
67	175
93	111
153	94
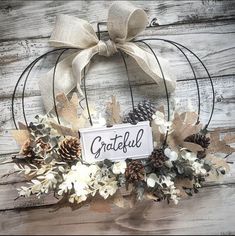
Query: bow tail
149	65
80	62
67	77
64	81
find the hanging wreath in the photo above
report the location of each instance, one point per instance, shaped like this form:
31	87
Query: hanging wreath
151	155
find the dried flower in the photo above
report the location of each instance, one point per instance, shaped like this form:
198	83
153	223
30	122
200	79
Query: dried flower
119	167
159	119
108	189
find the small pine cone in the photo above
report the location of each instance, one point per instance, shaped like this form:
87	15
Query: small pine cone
27	149
134	171
44	147
158	158
142	112
199	139
70	149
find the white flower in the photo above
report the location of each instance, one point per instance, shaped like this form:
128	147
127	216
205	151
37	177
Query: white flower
172	155
190	156
80	177
108	189
81	189
159	119
151	180
198	168
119	167
167	181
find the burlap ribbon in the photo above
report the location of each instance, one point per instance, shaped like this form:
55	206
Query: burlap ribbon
125	22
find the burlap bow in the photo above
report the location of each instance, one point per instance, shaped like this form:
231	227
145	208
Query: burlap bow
125	22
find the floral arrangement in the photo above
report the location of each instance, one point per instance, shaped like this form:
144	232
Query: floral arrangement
51	159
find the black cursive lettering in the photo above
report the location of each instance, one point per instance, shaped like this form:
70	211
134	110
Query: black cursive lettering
119	142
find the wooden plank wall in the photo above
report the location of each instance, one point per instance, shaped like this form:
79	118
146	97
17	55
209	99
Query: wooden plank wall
205	26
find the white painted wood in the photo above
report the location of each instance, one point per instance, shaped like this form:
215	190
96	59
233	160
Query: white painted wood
38	17
209	212
217	56
117	143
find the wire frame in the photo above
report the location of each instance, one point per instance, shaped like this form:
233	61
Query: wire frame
143	41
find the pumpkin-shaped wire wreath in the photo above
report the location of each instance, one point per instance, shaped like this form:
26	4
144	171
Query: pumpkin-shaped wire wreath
183	157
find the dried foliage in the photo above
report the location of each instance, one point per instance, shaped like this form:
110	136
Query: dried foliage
51	160
217	145
113	112
184	125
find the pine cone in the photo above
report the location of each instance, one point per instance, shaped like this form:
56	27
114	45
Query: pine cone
142	112
201	140
70	149
158	158
27	149
134	171
43	146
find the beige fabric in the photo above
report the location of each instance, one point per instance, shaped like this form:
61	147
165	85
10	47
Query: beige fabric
125	22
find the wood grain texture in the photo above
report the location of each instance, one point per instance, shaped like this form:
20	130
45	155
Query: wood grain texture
205	26
38	17
209	212
217	56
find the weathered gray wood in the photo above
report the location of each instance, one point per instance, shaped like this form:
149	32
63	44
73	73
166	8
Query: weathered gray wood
217	56
38	17
209	212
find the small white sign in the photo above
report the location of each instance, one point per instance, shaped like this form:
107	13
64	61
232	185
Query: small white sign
117	142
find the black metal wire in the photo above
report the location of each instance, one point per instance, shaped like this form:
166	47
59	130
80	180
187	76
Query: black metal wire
129	83
19	79
194	74
23	92
166	90
208	74
53	84
86	99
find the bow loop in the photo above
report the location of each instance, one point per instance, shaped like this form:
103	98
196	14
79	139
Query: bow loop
107	48
70	31
125	21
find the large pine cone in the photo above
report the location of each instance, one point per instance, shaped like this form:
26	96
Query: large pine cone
70	149
158	158
201	140
142	112
134	171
